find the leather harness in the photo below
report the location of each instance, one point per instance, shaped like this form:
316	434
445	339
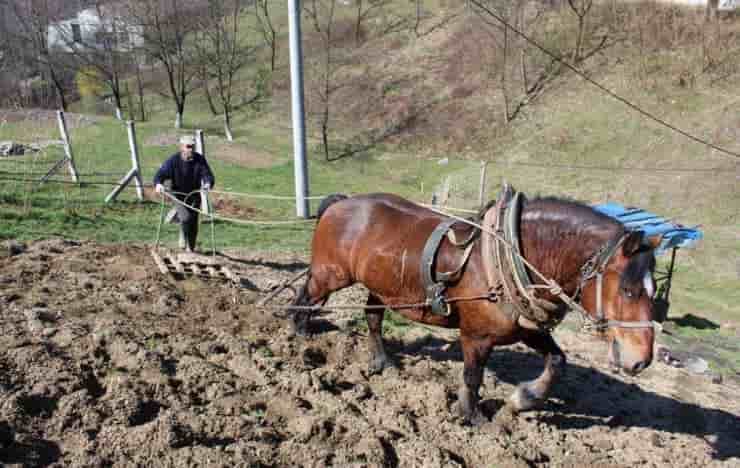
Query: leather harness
508	279
435	283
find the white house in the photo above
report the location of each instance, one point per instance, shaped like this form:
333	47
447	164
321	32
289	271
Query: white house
723	5
88	29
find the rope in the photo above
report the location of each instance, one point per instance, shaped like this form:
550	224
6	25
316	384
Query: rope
602	87
235	220
62	182
346	306
448	208
159	226
266	196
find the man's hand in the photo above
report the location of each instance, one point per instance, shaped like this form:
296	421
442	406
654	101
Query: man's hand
159	188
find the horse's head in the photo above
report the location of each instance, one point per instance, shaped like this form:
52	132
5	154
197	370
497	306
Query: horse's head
623	301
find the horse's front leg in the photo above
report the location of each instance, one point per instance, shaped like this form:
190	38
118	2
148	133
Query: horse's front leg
475	356
531	394
374	316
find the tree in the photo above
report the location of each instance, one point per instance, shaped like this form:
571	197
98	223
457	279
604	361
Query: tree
104	48
581	9
167	29
223	52
31	20
268	29
322	13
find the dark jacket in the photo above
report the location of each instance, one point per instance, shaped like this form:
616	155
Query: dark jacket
186	176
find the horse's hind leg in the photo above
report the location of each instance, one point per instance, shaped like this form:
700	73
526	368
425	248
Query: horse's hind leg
531	394
300	317
374	316
315	291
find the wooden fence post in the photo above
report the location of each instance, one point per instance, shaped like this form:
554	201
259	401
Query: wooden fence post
482	187
134	173
68	155
200	147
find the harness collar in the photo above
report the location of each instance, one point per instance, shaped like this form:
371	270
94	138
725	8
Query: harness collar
511	279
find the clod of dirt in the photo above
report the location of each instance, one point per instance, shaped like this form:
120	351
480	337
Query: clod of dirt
11	248
217	381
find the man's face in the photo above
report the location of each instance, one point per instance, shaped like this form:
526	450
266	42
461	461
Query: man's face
187	152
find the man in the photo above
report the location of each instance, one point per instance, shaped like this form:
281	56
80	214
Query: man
188	171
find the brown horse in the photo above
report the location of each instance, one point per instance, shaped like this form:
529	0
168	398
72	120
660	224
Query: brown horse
377	240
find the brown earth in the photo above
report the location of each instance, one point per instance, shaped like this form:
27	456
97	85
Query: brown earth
106	362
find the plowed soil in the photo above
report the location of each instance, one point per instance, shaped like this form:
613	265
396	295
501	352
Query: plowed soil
104	361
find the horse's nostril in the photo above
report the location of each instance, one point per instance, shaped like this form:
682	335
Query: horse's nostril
639	367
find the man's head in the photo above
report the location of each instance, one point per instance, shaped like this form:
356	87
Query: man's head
187	143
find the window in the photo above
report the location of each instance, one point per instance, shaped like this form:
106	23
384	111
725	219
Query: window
76	33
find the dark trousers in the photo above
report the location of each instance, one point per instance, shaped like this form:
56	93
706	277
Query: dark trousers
189	220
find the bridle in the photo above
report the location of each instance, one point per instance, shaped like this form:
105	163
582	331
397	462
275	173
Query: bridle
595	267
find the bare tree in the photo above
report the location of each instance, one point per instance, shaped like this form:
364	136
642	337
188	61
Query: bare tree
139	87
104	47
224	51
31	20
328	69
268	29
365	11
581	9
167	27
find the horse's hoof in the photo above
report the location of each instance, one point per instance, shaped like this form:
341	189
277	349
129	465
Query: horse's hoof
300	330
523	399
377	365
473	418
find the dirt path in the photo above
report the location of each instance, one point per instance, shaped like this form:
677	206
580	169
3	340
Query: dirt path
104	361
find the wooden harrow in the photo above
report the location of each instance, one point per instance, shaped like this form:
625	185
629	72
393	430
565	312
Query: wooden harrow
191	264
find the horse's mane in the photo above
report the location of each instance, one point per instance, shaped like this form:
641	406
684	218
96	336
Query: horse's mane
570	216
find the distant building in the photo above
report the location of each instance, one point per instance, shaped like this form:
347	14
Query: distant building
93	28
723	5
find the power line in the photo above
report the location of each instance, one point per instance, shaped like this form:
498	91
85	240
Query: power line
602	87
609	168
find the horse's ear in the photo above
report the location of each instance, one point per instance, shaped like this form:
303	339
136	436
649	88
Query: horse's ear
632	243
654	240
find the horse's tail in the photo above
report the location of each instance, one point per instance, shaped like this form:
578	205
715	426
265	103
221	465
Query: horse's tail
327	202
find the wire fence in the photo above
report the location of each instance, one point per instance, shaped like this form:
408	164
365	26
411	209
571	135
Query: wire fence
36	201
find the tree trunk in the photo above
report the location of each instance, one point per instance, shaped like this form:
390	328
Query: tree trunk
579	40
178	120
209	98
227	125
58	88
504	92
117	103
140	86
273	56
358	22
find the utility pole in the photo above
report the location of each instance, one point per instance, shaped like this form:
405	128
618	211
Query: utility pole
299	124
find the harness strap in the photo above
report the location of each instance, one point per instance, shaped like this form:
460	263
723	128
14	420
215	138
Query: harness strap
435	283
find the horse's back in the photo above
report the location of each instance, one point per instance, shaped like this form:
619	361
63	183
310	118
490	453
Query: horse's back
373	237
